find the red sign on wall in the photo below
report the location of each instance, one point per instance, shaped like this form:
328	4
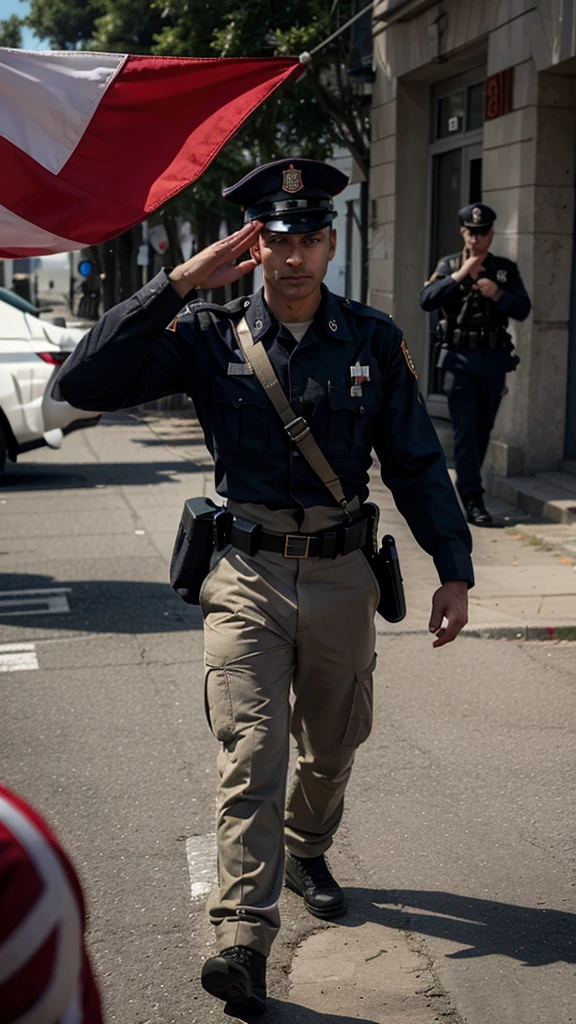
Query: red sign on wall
498	95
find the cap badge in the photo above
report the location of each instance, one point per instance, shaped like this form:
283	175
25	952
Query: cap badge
292	180
476	215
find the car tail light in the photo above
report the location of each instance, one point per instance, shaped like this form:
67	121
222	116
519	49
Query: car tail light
54	358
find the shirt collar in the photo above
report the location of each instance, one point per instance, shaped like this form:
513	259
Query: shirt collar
329	317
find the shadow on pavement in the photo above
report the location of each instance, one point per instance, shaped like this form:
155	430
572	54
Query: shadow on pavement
95	606
533	935
187	441
98	474
284	1012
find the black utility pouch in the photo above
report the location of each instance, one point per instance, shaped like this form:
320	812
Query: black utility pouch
200	531
385	565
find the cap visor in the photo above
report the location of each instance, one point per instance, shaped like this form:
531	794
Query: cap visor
300	225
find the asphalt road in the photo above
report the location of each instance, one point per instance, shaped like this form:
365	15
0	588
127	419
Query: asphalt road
458	839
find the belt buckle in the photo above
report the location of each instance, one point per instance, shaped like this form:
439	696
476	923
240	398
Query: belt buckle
298	541
297	429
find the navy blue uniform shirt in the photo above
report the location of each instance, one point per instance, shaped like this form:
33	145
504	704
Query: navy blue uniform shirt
130	357
444	293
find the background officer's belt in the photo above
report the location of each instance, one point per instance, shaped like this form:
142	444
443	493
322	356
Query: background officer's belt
338	540
482	337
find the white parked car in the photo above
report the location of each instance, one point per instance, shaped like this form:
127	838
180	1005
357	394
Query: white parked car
31	352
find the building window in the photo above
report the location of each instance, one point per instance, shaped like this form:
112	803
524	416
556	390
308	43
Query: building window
451	115
460	112
475	107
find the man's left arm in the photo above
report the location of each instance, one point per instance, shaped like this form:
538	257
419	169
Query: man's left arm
508	292
413	466
514	300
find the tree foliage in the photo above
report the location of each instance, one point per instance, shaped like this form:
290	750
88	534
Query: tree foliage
11	32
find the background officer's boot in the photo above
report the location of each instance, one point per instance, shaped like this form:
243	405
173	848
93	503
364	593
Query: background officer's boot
476	511
238	976
310	878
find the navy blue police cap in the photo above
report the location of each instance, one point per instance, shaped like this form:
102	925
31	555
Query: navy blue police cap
293	195
476	215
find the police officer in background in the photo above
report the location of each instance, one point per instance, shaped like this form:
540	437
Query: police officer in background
291	604
476	293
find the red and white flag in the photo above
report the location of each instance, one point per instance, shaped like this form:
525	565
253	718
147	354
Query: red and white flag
91	143
45	972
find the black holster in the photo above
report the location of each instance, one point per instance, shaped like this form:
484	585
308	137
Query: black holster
384	562
200	532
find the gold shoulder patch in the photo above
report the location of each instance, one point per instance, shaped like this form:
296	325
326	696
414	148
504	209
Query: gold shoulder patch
409	360
173	325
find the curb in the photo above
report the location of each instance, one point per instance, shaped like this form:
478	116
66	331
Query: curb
522	632
554	504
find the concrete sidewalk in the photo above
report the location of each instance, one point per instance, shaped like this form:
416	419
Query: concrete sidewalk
523	589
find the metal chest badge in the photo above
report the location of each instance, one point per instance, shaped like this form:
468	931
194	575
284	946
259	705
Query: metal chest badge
501	276
409	360
292	180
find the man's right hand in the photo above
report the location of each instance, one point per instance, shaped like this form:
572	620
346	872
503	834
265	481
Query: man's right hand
213	266
469	266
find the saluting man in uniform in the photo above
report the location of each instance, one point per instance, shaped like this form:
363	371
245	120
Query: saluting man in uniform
294	610
476	293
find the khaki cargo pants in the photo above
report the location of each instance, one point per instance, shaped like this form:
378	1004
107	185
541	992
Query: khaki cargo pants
275	625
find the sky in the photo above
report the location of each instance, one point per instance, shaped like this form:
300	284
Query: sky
29	40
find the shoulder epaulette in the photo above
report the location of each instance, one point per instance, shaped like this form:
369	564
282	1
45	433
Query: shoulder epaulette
504	261
199	305
231	309
361	309
450	263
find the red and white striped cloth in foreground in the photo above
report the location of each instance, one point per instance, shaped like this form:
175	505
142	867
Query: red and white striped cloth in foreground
45	973
91	143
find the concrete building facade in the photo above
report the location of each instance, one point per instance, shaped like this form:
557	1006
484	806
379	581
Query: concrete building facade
476	100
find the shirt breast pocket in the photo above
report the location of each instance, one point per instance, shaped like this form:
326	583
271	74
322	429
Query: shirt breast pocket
241	416
351	419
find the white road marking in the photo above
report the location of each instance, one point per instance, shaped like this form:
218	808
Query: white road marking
26	602
201	854
18	658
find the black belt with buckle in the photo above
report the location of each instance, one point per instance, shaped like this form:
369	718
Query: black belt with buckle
250	537
467	339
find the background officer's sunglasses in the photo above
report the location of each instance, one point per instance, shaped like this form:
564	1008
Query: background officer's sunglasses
479	231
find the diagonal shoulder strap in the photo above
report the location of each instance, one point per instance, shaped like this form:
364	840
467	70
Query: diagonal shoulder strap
295	426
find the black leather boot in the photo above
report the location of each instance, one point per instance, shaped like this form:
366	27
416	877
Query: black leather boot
238	976
310	878
476	511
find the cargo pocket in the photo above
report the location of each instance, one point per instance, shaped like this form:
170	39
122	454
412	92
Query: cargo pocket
360	722
218	702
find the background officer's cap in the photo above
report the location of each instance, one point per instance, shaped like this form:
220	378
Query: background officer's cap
293	195
477	215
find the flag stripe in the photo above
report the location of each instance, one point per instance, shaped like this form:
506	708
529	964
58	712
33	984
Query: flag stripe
156	129
55	95
14	228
